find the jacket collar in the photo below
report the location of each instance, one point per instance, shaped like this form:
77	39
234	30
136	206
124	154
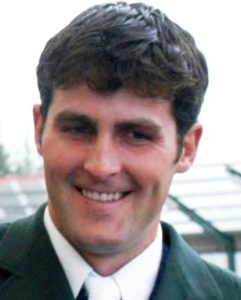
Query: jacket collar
186	276
35	272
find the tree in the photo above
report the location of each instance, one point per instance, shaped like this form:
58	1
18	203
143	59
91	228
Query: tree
26	162
4	165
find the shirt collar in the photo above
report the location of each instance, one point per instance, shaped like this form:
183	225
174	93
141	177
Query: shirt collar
75	267
136	279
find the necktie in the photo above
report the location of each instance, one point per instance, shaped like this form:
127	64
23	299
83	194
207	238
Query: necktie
82	294
101	288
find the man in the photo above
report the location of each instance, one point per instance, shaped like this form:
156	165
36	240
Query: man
121	88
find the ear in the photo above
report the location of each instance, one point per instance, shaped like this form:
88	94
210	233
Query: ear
38	127
189	148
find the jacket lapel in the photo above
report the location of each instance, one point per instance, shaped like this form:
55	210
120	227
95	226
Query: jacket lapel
186	276
35	272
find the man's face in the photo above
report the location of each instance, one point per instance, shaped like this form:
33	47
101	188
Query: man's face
109	162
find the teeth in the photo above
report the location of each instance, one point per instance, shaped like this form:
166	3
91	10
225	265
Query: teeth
103	197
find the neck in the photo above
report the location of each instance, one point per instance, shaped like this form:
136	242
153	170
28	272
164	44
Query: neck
109	261
107	264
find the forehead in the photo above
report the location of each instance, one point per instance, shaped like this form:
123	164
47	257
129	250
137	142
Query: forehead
121	104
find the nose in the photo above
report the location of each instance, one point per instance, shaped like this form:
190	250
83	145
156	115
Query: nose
102	160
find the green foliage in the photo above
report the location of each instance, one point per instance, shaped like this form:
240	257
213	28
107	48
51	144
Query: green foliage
4	165
19	164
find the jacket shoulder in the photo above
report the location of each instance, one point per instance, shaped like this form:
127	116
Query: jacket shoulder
3	229
194	277
228	282
19	237
4	272
13	229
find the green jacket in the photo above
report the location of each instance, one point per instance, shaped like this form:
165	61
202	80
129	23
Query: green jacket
30	270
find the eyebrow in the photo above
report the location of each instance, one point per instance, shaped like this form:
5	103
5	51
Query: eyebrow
141	124
67	116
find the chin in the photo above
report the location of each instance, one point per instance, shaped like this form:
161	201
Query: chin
101	246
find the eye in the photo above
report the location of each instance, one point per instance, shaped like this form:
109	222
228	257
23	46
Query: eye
137	135
79	129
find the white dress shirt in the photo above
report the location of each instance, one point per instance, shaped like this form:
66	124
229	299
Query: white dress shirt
136	279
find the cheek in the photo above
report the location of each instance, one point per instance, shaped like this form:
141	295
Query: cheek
60	157
154	175
150	169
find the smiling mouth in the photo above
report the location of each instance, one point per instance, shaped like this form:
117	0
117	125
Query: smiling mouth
102	197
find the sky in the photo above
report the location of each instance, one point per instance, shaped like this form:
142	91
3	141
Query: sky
26	25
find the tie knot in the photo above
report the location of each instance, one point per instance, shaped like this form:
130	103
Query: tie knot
101	288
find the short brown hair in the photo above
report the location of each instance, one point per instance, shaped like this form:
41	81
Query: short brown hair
134	46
